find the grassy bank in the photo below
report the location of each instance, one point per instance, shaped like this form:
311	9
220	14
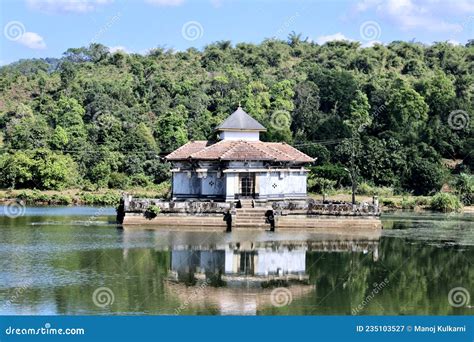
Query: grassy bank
443	202
387	202
110	197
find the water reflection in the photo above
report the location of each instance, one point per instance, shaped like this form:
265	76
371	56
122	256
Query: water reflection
55	268
239	276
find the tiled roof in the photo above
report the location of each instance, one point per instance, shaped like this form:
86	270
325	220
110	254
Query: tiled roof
239	150
187	149
241	121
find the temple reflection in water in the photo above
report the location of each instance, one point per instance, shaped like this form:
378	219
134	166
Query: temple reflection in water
237	263
237	273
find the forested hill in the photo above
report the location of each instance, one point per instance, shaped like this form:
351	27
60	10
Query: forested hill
95	117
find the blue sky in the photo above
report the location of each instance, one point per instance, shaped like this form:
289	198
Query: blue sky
47	28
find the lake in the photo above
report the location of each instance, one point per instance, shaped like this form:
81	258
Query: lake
75	261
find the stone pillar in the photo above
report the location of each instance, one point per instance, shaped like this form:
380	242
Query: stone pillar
230	186
375	202
127	199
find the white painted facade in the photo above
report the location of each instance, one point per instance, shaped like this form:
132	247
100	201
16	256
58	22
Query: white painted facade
259	262
272	184
229	180
239	135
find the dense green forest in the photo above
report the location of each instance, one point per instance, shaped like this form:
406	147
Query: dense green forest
398	115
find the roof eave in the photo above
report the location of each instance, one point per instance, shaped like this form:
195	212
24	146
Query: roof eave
220	129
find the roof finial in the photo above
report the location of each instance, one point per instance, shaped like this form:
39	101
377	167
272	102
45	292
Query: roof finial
240	105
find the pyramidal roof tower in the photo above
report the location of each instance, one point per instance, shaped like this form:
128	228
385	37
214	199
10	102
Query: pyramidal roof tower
240	126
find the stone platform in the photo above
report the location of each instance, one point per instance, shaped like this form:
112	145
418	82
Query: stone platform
249	214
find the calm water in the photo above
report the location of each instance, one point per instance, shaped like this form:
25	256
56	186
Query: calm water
74	260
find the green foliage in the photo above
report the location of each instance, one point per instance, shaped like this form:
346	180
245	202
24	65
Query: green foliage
109	118
108	198
16	169
118	180
367	189
408	203
388	202
332	172
425	177
140	180
55	171
320	185
359	113
38	197
171	129
464	184
39	169
445	202
152	211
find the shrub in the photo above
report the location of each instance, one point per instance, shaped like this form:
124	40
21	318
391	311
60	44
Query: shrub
118	180
87	185
369	190
445	202
332	172
152	211
108	198
388	202
465	188
422	201
140	180
61	199
320	185
407	203
425	177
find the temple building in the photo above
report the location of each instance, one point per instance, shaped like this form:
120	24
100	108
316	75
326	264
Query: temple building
239	165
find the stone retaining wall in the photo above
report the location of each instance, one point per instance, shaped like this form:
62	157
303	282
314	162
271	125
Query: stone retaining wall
294	214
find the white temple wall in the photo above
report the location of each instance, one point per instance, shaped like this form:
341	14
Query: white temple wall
185	183
282	184
213	184
232	186
239	135
271	262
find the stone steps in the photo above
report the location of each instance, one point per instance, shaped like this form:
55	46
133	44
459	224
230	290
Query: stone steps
250	218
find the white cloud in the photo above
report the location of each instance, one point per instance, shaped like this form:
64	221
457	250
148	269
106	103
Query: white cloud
454	42
165	2
32	40
66	6
114	49
331	37
371	43
419	14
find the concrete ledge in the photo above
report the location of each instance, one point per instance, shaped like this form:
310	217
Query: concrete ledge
290	222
